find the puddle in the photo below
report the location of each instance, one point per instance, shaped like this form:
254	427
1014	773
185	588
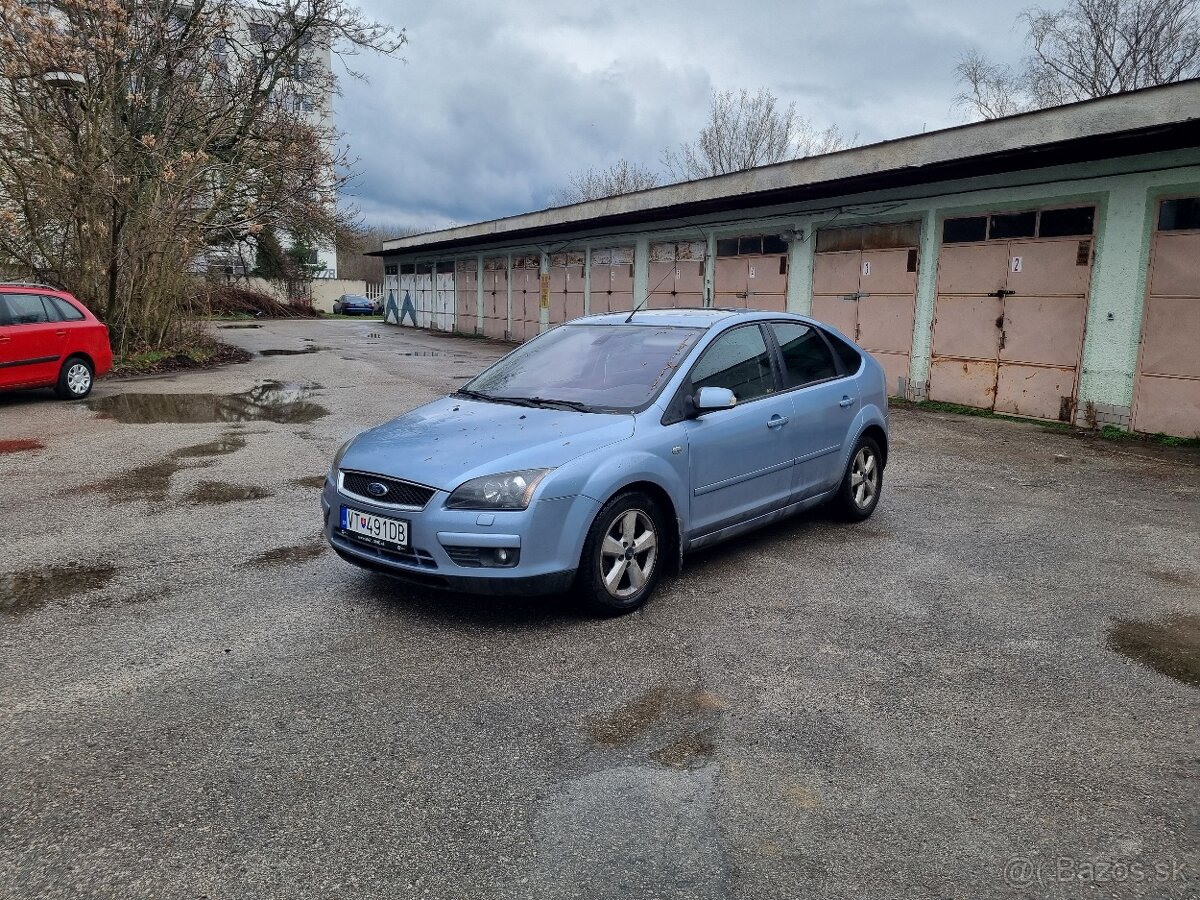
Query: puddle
290	352
151	482
32	589
312	481
272	401
630	720
225	444
209	492
1171	647
239	325
282	556
20	445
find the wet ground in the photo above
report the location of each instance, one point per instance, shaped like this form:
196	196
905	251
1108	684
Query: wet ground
987	690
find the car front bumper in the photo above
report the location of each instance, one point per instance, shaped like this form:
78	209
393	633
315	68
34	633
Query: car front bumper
547	539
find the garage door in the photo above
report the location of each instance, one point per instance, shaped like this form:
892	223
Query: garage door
612	279
526	297
676	275
1167	393
495	297
466	282
751	273
865	285
1011	308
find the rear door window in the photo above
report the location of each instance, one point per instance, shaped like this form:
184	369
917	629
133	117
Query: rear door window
27	309
806	356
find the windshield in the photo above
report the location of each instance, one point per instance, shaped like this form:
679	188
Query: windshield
608	368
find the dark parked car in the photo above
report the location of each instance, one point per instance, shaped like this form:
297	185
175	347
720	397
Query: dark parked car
50	339
355	305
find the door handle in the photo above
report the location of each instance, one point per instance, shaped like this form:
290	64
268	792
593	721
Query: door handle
777	421
60	333
846	401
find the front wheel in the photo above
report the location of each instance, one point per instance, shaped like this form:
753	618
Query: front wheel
858	494
75	379
622	555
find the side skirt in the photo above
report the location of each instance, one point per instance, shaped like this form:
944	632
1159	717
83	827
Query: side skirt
730	531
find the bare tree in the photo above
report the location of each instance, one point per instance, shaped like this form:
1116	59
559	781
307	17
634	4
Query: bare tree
135	136
354	242
622	177
745	130
1089	48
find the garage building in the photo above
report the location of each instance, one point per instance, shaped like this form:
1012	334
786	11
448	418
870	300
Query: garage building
1043	265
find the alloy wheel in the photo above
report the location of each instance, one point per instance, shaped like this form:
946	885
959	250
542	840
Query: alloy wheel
628	553
864	477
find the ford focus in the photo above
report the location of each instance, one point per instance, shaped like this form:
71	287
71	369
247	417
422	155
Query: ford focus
597	455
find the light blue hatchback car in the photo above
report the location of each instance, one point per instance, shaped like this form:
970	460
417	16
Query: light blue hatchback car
597	454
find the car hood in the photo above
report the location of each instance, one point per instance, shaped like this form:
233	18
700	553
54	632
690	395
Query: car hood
444	443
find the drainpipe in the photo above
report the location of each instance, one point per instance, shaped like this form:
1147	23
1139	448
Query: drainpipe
544	294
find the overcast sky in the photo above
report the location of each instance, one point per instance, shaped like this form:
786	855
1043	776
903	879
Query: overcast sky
498	103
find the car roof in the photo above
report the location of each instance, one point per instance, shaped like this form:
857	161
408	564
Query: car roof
19	286
689	318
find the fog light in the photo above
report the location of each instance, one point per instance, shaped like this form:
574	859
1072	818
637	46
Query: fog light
502	556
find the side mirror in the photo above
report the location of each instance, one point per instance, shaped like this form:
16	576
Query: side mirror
710	398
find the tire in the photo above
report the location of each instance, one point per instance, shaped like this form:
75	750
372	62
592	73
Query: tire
632	514
75	379
858	494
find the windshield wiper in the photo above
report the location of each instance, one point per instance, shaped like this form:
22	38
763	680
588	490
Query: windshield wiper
474	395
546	403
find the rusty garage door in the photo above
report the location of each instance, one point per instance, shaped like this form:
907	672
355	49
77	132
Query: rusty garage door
1011	307
466	281
676	275
751	273
1167	395
612	279
865	285
495	297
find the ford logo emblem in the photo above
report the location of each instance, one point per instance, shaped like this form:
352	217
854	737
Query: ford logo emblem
376	489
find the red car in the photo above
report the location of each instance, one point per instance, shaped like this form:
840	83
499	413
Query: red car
49	339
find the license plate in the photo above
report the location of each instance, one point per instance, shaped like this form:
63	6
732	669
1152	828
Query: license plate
374	529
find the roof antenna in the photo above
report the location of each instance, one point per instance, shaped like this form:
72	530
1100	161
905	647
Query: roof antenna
637	308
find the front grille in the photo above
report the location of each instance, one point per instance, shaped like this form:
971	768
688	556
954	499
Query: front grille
413	556
399	493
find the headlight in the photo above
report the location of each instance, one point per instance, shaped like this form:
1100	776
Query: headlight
508	490
337	457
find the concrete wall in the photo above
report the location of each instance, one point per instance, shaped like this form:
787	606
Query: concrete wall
1125	191
324	290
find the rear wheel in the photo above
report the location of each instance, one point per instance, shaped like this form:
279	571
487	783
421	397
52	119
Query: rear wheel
622	555
858	494
75	379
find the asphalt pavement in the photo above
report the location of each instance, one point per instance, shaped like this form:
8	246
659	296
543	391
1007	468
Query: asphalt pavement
989	689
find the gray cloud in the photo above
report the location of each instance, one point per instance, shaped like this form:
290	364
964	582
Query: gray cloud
498	103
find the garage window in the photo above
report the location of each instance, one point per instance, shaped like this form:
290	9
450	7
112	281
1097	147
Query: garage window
964	230
1077	221
1179	215
1012	225
806	356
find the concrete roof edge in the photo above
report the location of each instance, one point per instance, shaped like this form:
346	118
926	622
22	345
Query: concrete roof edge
1146	108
